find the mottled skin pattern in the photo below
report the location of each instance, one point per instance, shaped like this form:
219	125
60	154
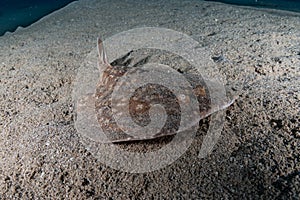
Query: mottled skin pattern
139	103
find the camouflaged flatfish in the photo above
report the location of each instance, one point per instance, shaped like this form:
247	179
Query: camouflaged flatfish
143	97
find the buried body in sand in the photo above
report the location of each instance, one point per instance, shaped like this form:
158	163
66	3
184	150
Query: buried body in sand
140	100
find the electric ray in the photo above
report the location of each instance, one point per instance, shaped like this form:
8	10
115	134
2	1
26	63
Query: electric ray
142	98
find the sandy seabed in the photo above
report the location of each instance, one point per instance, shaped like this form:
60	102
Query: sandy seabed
257	156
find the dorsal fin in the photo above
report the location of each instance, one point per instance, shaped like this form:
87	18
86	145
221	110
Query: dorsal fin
101	53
